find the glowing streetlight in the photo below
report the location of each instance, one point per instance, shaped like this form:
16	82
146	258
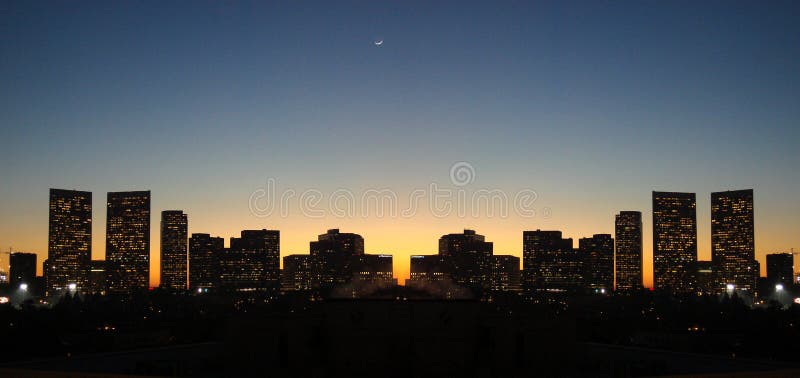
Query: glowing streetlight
72	287
23	287
778	287
730	287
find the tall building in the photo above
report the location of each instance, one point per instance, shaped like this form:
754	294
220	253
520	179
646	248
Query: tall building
674	241
550	262
204	251
252	262
469	258
780	268
69	242
597	253
733	238
23	269
128	240
628	255
174	259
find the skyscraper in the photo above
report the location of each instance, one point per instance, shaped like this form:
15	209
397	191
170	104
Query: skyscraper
69	244
733	238
128	240
296	274
597	253
780	268
628	255
174	259
23	269
549	261
204	251
674	241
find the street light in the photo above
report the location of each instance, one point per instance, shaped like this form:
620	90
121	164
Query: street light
730	287
23	287
779	287
72	287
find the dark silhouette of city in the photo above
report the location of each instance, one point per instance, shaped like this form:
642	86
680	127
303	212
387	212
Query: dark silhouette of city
337	311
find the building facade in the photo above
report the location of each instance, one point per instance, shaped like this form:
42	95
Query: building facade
204	251
780	268
174	245
674	241
69	242
597	253
128	240
733	239
549	262
22	269
628	254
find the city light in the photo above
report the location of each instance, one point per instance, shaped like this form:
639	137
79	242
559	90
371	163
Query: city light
3	300
778	287
730	287
72	287
23	287
797	300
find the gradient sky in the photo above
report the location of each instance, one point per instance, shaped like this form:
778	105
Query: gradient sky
592	105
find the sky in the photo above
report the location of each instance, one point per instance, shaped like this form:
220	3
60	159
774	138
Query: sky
591	105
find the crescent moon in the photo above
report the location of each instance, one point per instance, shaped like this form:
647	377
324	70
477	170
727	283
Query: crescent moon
378	43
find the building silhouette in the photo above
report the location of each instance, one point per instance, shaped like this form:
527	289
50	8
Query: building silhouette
128	240
468	257
550	262
296	274
733	239
252	263
204	251
628	254
22	269
780	268
174	244
597	253
69	242
427	269
706	280
333	254
337	266
98	277
506	275
674	241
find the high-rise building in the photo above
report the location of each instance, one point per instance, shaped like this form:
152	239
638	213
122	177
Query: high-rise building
468	257
252	262
674	241
128	240
506	275
597	254
69	244
374	269
628	255
780	268
204	251
733	239
550	262
174	259
23	269
706	278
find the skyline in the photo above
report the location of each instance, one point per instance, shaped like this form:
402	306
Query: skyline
400	274
593	106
